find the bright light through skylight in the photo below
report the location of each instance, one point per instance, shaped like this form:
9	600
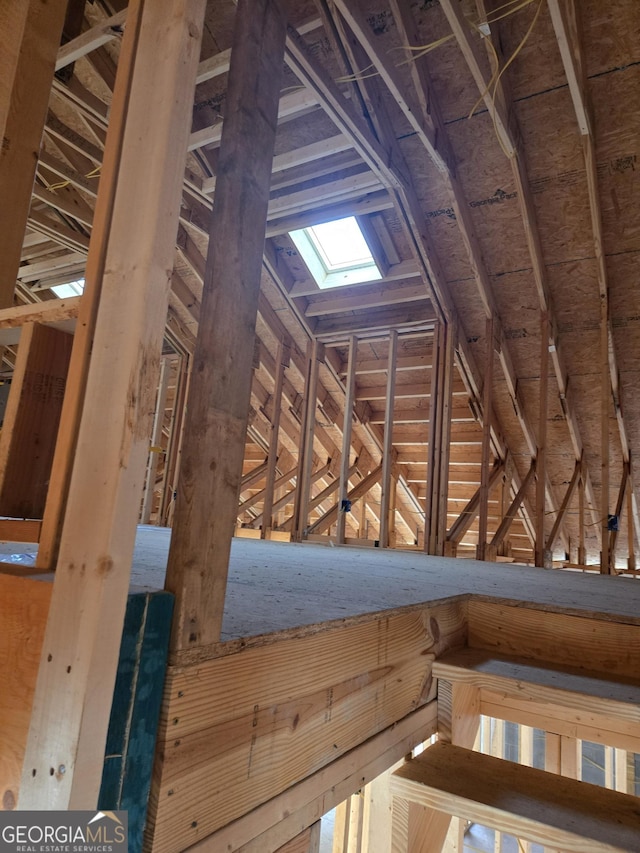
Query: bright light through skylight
66	291
341	243
336	253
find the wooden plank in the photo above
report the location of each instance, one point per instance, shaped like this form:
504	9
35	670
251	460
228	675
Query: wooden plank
562	722
577	472
128	274
91	39
34	37
350	387
542	807
307	432
32	416
307	842
24	605
284	815
387	450
52	311
19	530
468	514
515	505
603	646
283	719
331	516
544	682
217	412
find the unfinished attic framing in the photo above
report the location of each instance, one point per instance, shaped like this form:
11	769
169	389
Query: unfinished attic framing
411	423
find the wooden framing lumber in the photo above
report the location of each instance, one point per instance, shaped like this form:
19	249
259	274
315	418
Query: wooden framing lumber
330	517
485	467
545	808
282	361
218	407
305	717
31	39
156	438
577	472
278	818
346	436
307	431
514	506
148	134
91	39
541	557
387	450
466	518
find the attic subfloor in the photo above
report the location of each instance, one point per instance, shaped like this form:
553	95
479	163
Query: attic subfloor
279	586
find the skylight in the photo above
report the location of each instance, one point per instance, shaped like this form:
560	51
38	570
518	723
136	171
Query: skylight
336	253
65	291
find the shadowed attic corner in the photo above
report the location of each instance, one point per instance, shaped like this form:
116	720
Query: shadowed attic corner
363	476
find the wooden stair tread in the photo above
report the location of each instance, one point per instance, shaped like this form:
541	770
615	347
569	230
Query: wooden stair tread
484	668
541	807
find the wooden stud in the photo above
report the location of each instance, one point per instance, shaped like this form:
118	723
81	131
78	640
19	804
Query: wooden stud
147	136
156	439
577	473
307	433
217	413
485	470
541	453
387	451
346	435
282	361
511	513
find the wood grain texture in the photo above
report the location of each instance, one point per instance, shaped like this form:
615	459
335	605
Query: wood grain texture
240	729
528	803
23	613
559	638
30	428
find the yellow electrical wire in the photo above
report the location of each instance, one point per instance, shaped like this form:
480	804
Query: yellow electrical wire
94	173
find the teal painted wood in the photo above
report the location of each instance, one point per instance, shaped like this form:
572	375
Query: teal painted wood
135	711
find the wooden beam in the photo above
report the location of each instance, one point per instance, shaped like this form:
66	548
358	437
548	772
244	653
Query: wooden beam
355	494
551	541
523	801
387	450
468	514
218	408
511	513
147	136
91	39
613	539
349	400
30	37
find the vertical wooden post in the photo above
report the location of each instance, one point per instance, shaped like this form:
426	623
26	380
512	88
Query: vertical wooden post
307	432
582	551
30	33
541	456
446	400
631	559
217	413
433	467
147	138
346	435
174	449
485	472
156	438
387	450
605	403
282	361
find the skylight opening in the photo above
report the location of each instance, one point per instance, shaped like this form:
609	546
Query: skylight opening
66	291
336	253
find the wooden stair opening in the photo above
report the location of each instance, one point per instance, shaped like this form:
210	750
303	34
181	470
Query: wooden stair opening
571	688
532	804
